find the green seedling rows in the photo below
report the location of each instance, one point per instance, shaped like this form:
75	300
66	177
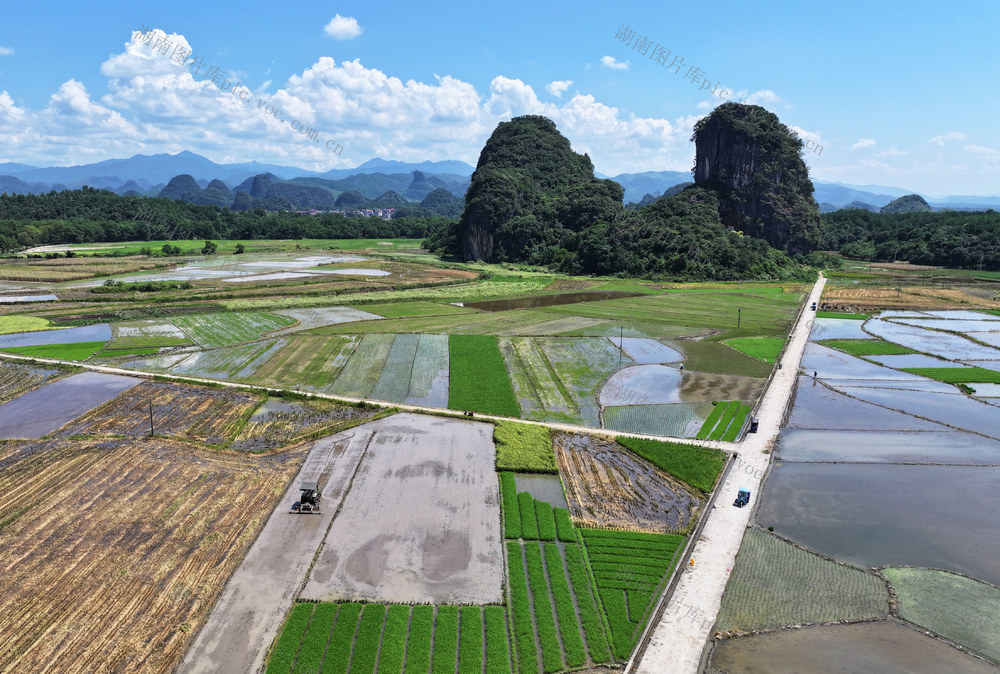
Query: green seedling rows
76	351
445	640
766	349
510	506
958	375
524	448
529	521
545	621
418	646
867	347
228	329
470	649
725	422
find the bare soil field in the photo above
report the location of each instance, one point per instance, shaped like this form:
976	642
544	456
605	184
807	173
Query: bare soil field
114	550
704	387
608	487
421	520
205	415
18	378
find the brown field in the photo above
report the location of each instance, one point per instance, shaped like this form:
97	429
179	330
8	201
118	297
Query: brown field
16	378
74	269
114	551
609	487
213	416
869	299
279	423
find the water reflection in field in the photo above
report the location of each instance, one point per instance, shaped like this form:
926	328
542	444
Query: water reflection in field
837	328
952	447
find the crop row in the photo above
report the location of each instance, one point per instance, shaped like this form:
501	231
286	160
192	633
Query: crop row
526	517
737	423
866	347
478	379
728	414
958	375
628	568
368	638
559	614
697	466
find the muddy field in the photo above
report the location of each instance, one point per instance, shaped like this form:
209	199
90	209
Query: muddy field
703	387
420	522
609	487
276	423
114	550
891	296
200	414
884	646
18	378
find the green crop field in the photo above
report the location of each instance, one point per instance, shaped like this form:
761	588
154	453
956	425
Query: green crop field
524	448
408	309
697	466
776	584
228	329
368	638
629	569
307	361
962	609
766	349
478	379
725	422
671	420
77	351
840	314
866	347
957	375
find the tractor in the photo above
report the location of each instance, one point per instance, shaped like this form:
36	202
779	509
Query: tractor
309	501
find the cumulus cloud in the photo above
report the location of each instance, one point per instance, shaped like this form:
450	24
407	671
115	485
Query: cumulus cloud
6	51
951	135
614	64
558	87
863	143
342	28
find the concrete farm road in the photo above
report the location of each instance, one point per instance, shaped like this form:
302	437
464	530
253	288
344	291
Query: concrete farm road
675	642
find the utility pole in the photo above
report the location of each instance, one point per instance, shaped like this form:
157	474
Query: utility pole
739	316
621	344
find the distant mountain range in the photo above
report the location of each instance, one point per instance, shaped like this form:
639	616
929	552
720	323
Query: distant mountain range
149	175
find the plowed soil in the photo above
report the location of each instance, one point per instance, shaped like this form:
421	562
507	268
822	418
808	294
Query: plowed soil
870	299
113	551
609	487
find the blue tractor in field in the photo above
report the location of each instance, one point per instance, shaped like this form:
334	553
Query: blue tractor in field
742	498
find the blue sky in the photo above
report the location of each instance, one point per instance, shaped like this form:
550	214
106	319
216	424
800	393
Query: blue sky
895	93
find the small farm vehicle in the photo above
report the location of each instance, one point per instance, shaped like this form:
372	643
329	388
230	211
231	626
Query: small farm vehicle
742	498
309	500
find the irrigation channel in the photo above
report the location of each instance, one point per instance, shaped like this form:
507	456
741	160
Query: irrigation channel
675	638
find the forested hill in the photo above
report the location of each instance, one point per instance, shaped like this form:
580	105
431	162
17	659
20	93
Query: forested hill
532	199
89	215
960	239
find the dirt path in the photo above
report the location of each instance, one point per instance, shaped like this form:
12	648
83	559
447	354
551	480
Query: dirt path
677	641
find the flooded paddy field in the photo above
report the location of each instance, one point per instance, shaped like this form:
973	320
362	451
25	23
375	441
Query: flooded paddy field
546	488
837	328
607	486
934	342
17	378
944	446
884	646
877	514
420	521
46	409
90	333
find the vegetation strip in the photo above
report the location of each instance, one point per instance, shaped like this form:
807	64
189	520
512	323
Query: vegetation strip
524	448
287	646
698	466
509	506
418	646
478	379
524	630
397	623
544	619
497	640
445	640
470	649
569	629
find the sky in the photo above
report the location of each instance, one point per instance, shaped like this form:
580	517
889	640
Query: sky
902	94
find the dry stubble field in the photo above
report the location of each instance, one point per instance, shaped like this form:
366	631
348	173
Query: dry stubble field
114	550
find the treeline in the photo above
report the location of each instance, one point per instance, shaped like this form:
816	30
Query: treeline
958	239
89	215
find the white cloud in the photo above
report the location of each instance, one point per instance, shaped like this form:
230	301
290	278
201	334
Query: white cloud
558	87
980	149
892	152
863	143
614	64
951	135
6	51
342	27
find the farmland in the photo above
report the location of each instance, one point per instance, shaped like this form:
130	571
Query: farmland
17	378
478	378
135	581
775	584
609	488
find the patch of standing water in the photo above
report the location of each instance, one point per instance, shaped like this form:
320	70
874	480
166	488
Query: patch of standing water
912	360
89	333
647	351
817	407
954	410
987	390
942	517
352	272
952	447
546	488
930	341
964	315
847	385
832	363
642	385
837	328
952	325
7	299
991	338
277	276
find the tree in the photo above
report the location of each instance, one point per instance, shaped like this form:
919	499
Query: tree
209	248
240	249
